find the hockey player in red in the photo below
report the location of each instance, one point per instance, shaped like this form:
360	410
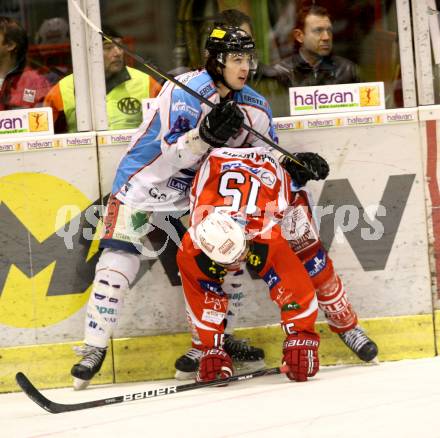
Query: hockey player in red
237	200
331	294
301	231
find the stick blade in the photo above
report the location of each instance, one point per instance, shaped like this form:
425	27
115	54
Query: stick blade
57	408
29	389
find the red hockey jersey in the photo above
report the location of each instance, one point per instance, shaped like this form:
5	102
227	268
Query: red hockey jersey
247	182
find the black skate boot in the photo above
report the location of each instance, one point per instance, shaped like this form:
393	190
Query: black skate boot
246	357
88	366
358	342
188	364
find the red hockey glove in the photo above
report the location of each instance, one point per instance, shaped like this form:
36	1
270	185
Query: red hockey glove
214	364
300	354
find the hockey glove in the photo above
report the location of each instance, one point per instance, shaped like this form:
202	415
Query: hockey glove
312	166
214	364
300	353
224	121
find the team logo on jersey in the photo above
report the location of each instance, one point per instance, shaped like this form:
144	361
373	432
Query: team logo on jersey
156	194
179	184
209	267
183	107
185	77
290	306
253	100
265	176
254	260
317	264
268	178
298	229
209	89
213	316
271	278
215	302
211	286
125	188
129	105
180	125
233	165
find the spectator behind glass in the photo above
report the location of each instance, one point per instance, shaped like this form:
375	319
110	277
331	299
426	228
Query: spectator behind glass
51	54
20	85
125	87
53	31
313	63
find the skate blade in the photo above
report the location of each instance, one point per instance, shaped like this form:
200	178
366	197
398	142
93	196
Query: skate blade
374	361
249	367
185	375
80	384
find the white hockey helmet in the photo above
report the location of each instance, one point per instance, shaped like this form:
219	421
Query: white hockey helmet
221	238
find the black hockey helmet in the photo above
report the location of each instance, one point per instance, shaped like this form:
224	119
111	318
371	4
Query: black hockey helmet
225	41
225	38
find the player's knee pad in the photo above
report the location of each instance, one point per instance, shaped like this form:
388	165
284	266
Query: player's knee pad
328	287
103	308
117	268
114	273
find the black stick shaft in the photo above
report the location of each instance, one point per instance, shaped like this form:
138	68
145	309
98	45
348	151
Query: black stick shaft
55	408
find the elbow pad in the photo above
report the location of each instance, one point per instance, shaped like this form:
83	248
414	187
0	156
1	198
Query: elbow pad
194	142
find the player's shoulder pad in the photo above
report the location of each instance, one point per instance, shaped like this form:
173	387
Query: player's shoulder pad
248	96
199	81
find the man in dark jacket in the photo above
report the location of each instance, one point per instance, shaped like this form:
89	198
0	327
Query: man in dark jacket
314	63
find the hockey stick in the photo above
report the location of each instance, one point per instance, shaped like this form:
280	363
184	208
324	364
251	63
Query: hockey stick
56	408
156	71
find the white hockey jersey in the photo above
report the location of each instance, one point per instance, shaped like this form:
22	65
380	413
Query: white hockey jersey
158	168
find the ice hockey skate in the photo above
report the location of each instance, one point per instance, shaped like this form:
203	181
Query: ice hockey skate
246	358
88	366
187	364
358	342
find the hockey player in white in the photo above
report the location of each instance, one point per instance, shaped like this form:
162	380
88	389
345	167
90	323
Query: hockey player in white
154	176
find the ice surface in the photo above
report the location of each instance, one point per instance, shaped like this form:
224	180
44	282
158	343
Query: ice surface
394	399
